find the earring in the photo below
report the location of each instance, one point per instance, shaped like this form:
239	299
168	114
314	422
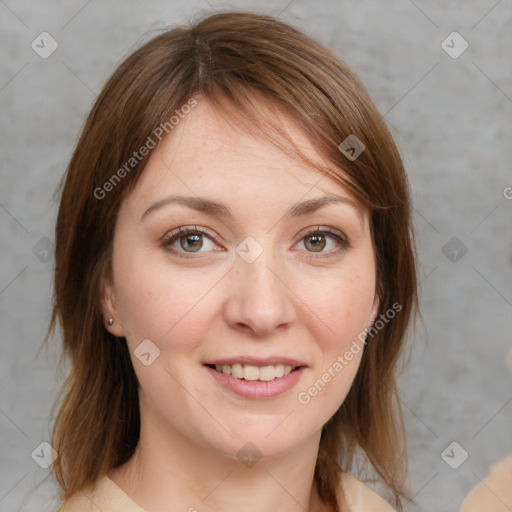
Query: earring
110	321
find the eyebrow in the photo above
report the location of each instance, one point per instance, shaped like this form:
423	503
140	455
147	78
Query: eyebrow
209	206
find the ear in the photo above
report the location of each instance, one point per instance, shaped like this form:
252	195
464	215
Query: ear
374	311
109	309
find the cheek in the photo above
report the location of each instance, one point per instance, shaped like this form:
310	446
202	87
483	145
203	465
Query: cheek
340	306
339	311
154	302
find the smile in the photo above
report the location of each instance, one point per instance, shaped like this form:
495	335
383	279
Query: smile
255	382
252	372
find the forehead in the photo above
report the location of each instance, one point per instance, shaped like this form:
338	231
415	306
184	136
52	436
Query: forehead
213	138
209	153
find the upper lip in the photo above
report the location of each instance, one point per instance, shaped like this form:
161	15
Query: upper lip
257	361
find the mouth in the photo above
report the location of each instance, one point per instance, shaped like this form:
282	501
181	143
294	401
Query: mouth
251	372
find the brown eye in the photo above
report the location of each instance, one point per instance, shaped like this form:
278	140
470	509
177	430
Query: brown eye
316	243
187	241
194	242
324	241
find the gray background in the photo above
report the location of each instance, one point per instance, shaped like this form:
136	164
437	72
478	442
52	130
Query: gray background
452	122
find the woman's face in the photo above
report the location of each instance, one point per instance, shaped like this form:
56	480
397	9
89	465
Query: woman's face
251	290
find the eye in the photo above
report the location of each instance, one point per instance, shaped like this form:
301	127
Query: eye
315	240
188	240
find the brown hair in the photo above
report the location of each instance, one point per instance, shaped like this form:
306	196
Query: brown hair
243	59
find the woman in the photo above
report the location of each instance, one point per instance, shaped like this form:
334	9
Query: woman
234	278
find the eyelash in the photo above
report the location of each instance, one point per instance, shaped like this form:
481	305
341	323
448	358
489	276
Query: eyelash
172	236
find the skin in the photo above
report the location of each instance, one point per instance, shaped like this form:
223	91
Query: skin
293	300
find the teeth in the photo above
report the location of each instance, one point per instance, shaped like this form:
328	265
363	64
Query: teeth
267	373
279	370
251	372
237	371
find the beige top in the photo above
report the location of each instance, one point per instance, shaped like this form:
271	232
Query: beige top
106	496
494	492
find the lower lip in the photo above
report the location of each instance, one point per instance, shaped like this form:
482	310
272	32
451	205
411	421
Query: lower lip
257	389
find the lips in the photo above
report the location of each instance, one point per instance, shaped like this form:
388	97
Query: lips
256	389
254	377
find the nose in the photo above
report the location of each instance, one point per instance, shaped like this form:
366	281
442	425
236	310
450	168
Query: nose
260	300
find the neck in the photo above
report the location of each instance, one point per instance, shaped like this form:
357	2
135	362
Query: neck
169	472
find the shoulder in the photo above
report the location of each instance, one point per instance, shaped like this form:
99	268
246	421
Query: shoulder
106	496
494	492
360	498
81	501
103	495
